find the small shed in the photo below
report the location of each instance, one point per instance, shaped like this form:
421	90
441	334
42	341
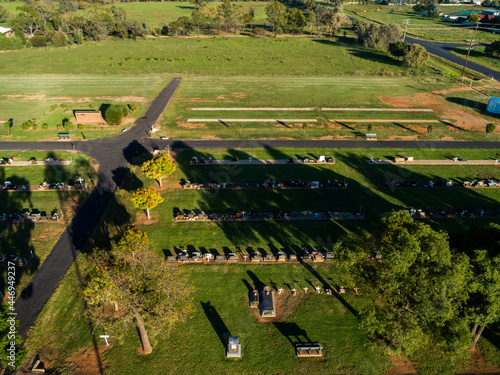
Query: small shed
89	117
493	105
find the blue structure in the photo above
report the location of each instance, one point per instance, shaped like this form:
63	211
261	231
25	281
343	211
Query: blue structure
493	105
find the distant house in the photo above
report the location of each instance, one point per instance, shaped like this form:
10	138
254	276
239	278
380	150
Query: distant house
89	117
491	12
6	31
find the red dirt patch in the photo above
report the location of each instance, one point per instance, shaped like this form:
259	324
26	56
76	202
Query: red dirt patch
191	125
401	366
88	361
478	365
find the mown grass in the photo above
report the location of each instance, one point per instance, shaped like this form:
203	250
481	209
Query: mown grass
219	56
364	191
196	346
24	97
477	55
318	92
37	239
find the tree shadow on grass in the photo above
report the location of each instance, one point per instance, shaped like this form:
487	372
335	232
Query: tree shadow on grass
292	332
217	323
474	104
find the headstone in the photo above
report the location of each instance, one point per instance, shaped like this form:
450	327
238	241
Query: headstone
233	347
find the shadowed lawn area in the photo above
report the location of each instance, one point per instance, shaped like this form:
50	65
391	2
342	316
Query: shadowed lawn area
197	346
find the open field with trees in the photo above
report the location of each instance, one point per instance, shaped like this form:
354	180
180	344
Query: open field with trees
421	26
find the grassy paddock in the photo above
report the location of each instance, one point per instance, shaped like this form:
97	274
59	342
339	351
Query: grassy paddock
25	97
219	56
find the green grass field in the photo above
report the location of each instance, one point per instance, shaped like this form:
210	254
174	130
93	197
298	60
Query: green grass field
318	92
477	55
421	26
25	97
157	14
365	190
214	56
196	347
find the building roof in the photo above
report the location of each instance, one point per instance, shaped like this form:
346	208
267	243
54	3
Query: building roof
4	30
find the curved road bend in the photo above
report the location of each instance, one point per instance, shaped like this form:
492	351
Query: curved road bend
443	50
113	155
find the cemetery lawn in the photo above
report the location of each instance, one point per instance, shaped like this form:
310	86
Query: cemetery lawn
460	110
195	346
364	191
51	98
421	26
38	238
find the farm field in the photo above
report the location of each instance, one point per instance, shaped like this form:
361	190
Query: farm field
455	112
421	26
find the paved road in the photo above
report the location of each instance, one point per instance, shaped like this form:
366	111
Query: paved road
113	156
443	50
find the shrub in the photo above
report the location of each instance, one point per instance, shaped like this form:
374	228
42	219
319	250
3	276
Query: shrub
78	39
80	126
39	41
45	126
115	112
35	127
133	107
59	126
415	55
59	40
19	34
10	43
25	125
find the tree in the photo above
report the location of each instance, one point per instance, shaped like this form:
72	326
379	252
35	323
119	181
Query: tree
483	306
430	129
295	21
418	286
433	9
135	29
146	199
490	128
415	55
397	49
159	167
115	113
419	8
493	49
198	19
199	3
473	18
369	128
4	14
334	20
377	36
130	283
275	12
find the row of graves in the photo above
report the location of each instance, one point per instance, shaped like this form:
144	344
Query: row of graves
26	216
254	257
268	183
200	215
454	214
306	160
442	183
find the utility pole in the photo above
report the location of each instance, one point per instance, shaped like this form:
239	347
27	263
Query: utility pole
470	47
406	22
